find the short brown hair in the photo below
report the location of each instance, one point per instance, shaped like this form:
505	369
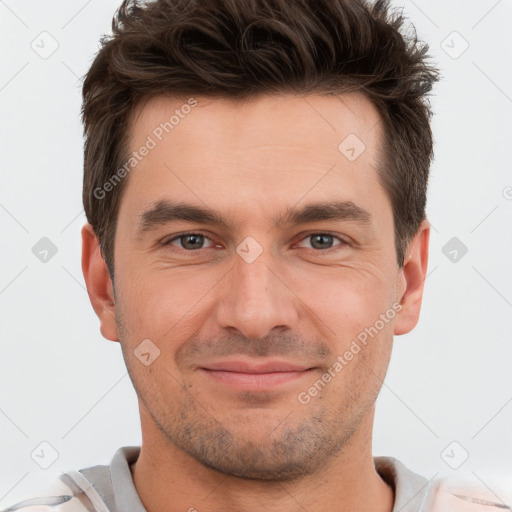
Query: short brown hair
240	48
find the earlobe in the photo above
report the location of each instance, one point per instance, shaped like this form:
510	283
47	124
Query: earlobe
99	284
412	277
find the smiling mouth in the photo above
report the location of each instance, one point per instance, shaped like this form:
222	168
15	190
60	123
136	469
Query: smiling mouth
255	377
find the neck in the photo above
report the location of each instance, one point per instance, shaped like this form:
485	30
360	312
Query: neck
167	479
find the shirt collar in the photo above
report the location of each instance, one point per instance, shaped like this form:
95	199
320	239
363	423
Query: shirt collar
410	489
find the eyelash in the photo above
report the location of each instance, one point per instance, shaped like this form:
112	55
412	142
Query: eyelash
330	249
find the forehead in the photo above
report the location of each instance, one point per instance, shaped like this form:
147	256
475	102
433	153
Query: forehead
258	155
287	119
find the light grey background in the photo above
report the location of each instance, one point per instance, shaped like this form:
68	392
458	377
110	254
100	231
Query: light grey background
450	379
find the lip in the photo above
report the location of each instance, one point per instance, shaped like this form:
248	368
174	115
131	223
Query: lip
246	367
242	375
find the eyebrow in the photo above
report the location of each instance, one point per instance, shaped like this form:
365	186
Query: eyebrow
165	211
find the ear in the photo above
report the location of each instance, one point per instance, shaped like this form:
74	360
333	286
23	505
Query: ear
411	279
99	284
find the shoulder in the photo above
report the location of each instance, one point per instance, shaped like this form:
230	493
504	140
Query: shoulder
468	495
465	493
69	492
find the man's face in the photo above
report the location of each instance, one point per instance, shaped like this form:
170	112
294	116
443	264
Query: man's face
261	288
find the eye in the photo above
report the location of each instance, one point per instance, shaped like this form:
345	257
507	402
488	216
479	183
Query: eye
323	241
194	241
189	241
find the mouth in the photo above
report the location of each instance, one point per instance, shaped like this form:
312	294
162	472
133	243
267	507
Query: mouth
266	376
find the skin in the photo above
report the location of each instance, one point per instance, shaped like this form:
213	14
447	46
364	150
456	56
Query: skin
209	446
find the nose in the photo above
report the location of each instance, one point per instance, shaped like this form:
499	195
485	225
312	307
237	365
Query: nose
256	298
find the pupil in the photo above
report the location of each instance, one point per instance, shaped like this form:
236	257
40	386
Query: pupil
193	238
321	237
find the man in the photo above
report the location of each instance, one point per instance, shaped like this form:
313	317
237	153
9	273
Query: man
255	182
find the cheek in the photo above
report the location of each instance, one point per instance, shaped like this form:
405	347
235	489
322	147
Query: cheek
349	300
357	314
165	303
